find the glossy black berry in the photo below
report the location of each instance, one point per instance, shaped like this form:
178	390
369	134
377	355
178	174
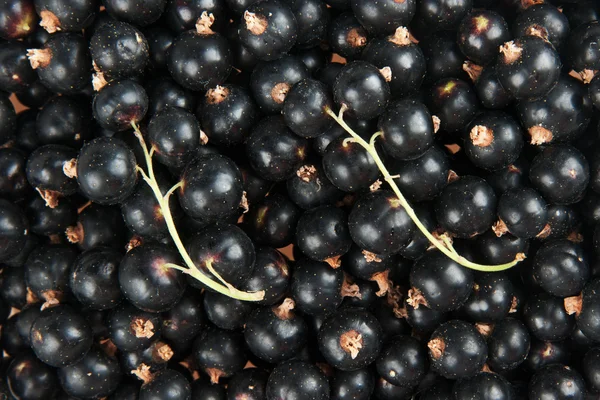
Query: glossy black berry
383	17
119	104
346	36
60	336
493	140
98	226
227	114
310	187
94	278
271	81
543	19
403	361
29	378
349	166
457	350
17	19
63	64
521	211
583	47
566	112
167	384
557	381
272	221
226	312
131	329
129	10
484	385
480	34
64	120
16	73
268	29
590	369
200	58
164	91
72	16
184	320
224	248
271	274
528	67
561	268
276	333
380	224
96	375
357	385
363	89
47	271
546	317
454	102
560	173
250	383
106	170
322	233
491	298
316	287
408	129
183	15
443	14
274	151
443	56
297	379
145	280
119	50
404	59
304	109
45	172
466	206
508	345
8	117
220	353
585	307
439	283
423	178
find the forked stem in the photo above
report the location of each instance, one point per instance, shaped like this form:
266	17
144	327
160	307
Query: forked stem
449	252
163	202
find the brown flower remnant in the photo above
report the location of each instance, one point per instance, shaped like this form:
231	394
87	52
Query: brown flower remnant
351	342
142	328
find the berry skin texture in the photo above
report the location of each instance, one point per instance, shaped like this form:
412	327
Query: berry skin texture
523	211
29	378
560	173
145	280
60	336
457	350
17	19
106	170
316	287
268	29
403	361
466	207
297	379
274	151
561	268
95	376
350	339
439	283
484	385
304	108
323	234
201	58
167	384
508	345
546	317
119	50
454	102
557	381
528	67
480	34
379	224
383	17
64	63
362	88
212	188
119	104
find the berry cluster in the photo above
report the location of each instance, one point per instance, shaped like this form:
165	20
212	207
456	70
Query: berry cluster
299	199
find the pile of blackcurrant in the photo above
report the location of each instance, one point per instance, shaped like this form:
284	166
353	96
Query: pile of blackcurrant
299	199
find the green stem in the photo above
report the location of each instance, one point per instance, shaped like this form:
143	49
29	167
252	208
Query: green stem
163	202
450	253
